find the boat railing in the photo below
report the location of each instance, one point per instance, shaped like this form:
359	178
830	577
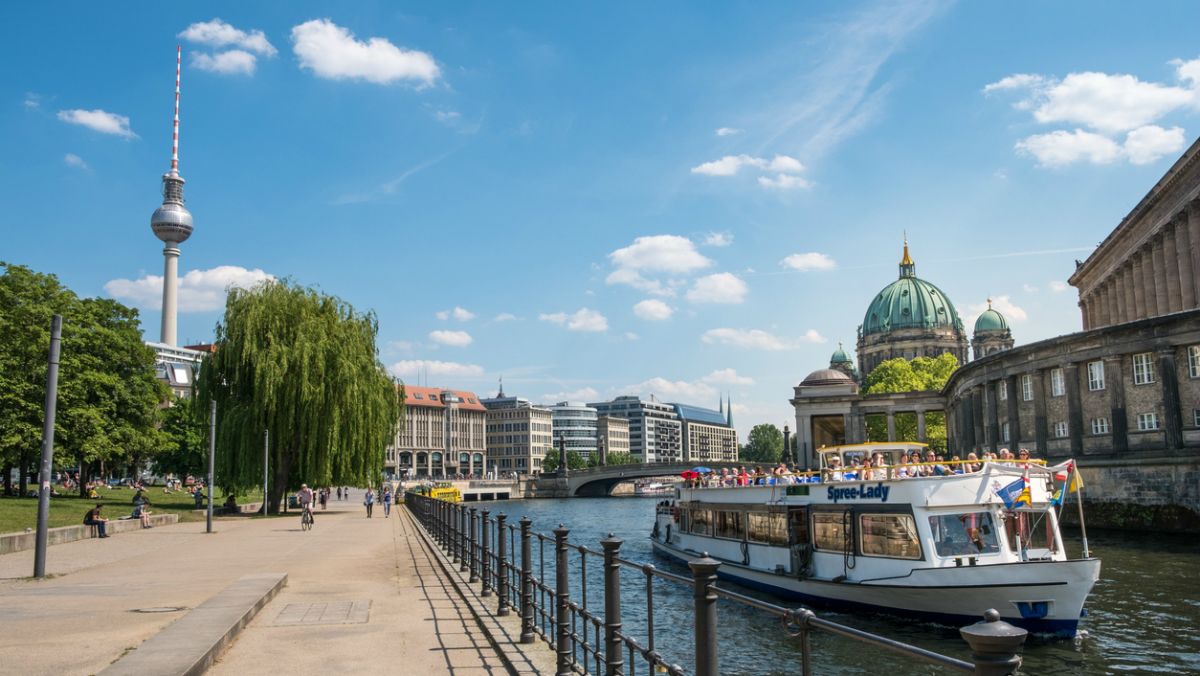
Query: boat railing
600	612
914	470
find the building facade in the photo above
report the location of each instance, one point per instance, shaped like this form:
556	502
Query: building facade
575	425
612	436
708	435
442	435
655	431
518	434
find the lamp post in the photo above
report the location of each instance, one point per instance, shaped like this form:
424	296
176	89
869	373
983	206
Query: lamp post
212	453
787	446
563	470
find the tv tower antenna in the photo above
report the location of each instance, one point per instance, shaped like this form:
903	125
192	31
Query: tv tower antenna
172	223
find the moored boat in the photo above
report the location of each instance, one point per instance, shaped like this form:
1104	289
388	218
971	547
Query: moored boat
943	547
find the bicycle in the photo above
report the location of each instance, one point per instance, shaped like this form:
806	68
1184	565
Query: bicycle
306	518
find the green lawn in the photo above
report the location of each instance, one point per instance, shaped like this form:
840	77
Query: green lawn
17	514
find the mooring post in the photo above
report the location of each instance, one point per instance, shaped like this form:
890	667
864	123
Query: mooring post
613	655
485	536
526	581
704	575
562	640
502	563
474	546
995	645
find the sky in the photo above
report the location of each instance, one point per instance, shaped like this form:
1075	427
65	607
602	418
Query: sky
685	200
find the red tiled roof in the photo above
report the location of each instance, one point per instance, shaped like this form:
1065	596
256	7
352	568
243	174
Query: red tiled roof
432	397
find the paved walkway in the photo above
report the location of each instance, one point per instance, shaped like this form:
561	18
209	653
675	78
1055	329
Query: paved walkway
86	616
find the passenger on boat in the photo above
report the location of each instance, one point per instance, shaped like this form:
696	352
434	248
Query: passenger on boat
973	465
743	478
834	471
1023	459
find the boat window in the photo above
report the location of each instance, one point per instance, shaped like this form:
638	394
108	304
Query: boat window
829	531
699	522
769	528
964	534
893	535
1036	533
729	525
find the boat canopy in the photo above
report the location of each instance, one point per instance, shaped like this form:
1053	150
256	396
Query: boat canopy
891	451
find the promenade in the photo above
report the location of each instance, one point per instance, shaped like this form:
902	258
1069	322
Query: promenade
362	594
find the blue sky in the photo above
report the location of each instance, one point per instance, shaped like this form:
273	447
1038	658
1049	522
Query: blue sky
593	199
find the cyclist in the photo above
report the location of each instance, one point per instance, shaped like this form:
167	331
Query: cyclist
305	497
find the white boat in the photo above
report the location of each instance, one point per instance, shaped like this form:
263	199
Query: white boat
937	548
654	488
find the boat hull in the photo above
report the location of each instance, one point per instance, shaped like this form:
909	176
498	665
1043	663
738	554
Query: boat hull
1042	597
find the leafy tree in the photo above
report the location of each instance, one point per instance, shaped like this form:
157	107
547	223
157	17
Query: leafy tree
550	461
185	448
575	461
304	366
902	375
621	458
765	444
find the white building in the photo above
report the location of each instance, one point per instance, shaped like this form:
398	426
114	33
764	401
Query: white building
518	434
655	431
575	424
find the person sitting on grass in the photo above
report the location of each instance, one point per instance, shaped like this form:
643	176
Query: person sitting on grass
231	505
93	518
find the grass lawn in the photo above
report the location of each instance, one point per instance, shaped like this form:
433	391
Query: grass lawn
17	514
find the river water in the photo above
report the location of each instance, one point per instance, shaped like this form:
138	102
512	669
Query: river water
1143	615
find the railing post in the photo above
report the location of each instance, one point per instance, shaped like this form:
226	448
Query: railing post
452	515
439	534
501	564
485	536
562	641
704	574
463	549
526	581
995	645
474	546
612	606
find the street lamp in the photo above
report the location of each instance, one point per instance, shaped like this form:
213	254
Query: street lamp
787	447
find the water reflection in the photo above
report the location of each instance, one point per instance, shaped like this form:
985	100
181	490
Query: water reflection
1142	616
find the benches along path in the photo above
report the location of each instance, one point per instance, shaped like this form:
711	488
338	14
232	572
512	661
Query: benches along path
86	616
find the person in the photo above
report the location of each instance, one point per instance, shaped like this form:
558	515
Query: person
324	498
369	501
140	502
231	505
387	501
198	496
339	493
304	498
93	518
1023	458
834	471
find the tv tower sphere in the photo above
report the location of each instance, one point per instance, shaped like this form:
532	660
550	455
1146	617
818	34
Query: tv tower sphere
172	223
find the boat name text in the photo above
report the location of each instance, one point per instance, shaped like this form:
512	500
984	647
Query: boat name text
877	492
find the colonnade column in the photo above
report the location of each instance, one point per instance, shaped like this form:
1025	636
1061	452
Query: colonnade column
1138	282
891	426
1162	303
1171	261
977	419
993	410
921	425
1183	250
1074	408
1149	280
1041	433
1085	312
1115	383
1169	375
1130	301
1014	411
1192	214
1119	296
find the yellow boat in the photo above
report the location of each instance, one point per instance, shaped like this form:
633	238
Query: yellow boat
445	492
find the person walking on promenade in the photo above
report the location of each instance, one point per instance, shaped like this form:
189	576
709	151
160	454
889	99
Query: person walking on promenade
369	501
387	502
324	498
93	518
339	492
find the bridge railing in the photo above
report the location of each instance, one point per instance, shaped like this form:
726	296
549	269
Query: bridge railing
530	573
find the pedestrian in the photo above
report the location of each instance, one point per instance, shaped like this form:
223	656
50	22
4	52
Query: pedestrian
339	492
324	497
369	501
387	502
93	518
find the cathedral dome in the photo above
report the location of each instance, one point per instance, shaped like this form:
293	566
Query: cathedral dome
910	303
826	377
839	356
991	320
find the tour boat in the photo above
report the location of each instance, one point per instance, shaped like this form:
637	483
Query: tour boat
653	488
938	548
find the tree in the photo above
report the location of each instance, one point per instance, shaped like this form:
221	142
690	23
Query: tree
304	366
621	458
550	461
185	450
902	375
765	444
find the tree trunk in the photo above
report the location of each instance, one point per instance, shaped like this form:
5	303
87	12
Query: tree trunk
23	480
83	479
8	488
279	485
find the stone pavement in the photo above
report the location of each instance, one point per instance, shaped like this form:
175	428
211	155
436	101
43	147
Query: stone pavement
346	569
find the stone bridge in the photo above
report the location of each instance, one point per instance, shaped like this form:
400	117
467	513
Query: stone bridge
599	481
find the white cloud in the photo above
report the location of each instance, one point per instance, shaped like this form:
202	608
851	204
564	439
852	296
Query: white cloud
636	280
727	131
199	290
451	338
99	120
1146	144
758	339
653	310
730	165
1060	148
447	117
723	287
1018	81
673	390
413	367
461	314
718	239
806	262
783	182
662	253
727	377
32	101
399	346
1058	287
584	394
1002	304
630	335
811	336
1029	288
505	317
583	320
218	34
74	160
332	52
232	62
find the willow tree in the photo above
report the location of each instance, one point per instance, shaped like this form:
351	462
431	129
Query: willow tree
304	367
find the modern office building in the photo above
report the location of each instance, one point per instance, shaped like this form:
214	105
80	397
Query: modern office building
575	426
612	436
655	431
708	435
442	435
177	366
518	434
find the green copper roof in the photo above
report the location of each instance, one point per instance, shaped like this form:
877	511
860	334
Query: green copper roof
909	303
990	320
839	356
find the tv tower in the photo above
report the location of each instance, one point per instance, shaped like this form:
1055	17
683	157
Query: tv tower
172	223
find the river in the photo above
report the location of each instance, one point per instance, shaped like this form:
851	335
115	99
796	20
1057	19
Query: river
1142	615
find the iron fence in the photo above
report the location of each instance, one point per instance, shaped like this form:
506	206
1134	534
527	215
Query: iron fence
509	561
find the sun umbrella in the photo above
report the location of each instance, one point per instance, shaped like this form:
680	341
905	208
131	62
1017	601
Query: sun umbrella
688	474
702	470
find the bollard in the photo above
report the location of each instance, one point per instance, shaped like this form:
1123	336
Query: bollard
474	547
995	645
502	564
464	551
562	641
526	581
612	606
704	575
485	536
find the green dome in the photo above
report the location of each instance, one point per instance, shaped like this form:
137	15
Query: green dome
910	303
990	320
839	356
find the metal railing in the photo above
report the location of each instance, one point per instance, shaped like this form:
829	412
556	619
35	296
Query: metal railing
509	561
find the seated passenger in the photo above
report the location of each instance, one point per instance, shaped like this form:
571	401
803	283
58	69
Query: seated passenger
834	471
973	465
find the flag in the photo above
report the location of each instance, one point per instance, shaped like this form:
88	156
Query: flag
1026	496
1012	493
1057	498
1076	482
